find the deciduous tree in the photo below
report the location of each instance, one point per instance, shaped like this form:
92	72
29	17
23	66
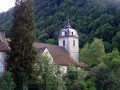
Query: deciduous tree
91	52
47	75
106	75
6	82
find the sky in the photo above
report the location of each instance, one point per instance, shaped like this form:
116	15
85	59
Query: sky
6	5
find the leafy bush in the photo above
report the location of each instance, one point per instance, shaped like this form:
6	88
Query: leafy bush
6	82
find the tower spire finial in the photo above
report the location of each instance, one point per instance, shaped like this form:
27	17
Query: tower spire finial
68	23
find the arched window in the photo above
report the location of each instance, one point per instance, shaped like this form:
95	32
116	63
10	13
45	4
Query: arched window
63	42
73	42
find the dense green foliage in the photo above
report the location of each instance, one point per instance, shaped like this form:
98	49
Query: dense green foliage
91	53
107	74
91	18
6	19
47	75
6	81
75	80
116	41
22	55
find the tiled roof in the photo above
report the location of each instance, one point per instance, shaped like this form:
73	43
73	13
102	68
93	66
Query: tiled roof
59	54
3	47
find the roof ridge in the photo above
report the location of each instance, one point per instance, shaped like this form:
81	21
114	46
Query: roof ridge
47	44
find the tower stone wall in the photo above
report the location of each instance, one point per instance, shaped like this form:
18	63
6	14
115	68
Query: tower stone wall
68	38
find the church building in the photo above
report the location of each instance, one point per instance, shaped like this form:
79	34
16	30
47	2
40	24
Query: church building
64	54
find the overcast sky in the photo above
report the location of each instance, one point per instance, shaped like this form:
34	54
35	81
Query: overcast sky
6	5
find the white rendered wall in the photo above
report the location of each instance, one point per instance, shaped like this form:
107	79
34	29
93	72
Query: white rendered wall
74	50
63	69
46	52
1	36
2	59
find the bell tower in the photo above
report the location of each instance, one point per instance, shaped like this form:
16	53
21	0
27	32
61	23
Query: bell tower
68	38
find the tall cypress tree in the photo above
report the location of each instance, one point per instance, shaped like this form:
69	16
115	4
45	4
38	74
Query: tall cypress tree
22	55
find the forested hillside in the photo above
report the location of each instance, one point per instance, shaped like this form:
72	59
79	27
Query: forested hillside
91	18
